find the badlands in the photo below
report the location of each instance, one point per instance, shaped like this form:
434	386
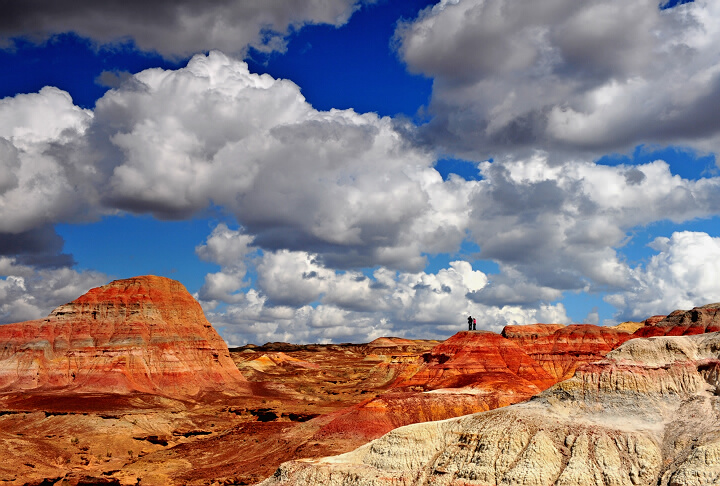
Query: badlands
130	384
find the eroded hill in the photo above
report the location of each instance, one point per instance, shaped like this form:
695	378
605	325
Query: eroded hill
130	384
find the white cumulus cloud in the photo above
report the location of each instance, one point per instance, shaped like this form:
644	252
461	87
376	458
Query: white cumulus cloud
565	76
684	273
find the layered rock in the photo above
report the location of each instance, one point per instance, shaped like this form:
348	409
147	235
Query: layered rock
683	323
144	334
480	359
469	372
561	349
648	414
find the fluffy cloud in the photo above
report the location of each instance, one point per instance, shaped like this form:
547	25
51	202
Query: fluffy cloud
683	274
348	187
41	179
296	298
559	227
27	293
320	195
344	185
229	249
592	76
174	28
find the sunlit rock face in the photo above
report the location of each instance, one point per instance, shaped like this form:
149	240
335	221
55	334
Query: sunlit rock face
683	323
469	372
648	414
561	349
144	334
480	359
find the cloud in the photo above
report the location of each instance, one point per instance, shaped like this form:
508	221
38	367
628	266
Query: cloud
296	298
42	178
27	293
229	249
684	273
565	76
42	181
346	186
39	247
320	197
560	227
173	28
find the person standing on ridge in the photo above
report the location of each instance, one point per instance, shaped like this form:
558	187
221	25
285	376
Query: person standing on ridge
474	323
470	323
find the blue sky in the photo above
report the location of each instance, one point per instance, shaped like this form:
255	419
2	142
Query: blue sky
343	170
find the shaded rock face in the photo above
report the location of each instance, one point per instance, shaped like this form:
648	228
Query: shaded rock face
561	349
143	334
647	414
683	323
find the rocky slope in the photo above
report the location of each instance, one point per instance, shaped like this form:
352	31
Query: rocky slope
473	372
144	334
118	424
561	349
647	414
682	323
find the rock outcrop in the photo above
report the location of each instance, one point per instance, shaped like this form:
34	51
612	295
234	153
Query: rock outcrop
480	359
470	372
561	349
647	414
683	323
144	334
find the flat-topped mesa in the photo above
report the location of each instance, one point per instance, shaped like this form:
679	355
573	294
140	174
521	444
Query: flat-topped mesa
699	320
561	349
144	334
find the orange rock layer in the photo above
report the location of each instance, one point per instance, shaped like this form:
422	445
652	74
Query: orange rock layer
143	334
561	349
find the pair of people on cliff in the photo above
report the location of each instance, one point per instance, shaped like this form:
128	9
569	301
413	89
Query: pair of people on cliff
471	323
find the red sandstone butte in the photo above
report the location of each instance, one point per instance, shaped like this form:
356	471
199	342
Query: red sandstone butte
683	323
561	349
144	334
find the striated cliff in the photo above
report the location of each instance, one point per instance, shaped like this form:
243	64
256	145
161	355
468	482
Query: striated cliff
682	323
649	413
561	349
143	334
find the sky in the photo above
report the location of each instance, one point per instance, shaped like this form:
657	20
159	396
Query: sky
342	170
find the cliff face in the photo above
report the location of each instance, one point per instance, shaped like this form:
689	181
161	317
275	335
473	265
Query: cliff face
647	414
683	323
469	372
473	372
561	349
480	359
143	334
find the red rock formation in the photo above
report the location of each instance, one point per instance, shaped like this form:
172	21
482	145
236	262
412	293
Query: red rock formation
470	372
480	359
560	349
651	321
144	334
683	323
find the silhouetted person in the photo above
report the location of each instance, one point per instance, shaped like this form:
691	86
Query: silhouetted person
470	323
474	323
